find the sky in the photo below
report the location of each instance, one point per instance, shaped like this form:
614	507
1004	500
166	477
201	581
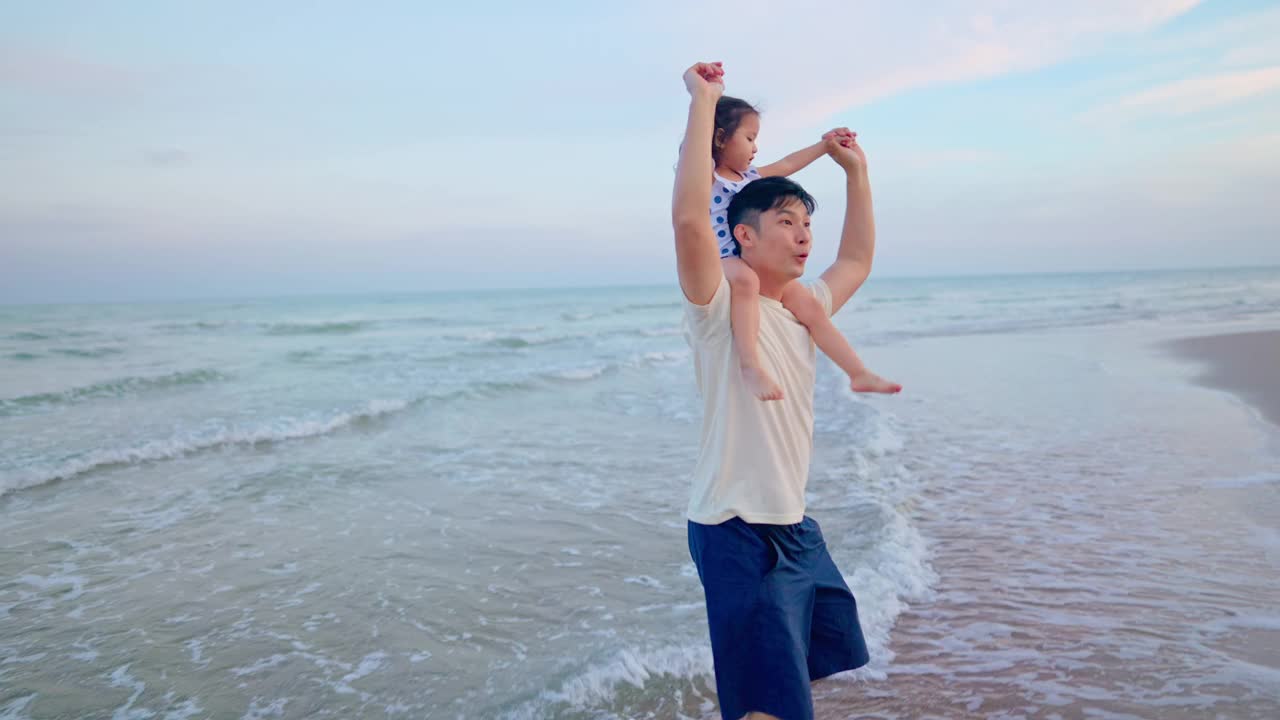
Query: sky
154	150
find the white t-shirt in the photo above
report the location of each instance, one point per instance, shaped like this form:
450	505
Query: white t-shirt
722	191
753	461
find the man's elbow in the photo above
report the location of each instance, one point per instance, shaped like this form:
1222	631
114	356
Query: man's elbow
688	224
855	269
858	260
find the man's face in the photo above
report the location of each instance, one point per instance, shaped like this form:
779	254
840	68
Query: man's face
781	245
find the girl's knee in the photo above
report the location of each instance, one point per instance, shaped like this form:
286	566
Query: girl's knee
744	281
801	302
804	305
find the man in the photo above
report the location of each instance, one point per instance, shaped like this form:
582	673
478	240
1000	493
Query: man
780	613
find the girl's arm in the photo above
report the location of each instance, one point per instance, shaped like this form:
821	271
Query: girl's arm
800	159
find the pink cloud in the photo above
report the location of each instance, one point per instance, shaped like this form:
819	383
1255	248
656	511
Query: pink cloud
861	53
1197	94
49	71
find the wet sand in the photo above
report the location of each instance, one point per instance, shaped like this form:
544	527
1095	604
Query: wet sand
1244	364
1120	571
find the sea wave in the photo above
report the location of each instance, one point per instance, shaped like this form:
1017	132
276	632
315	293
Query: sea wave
487	338
681	670
281	430
95	352
199	325
332	327
119	387
50	334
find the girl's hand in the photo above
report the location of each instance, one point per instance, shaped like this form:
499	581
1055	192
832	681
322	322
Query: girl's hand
705	78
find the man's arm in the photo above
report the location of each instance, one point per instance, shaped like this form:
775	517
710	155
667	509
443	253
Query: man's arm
801	159
697	252
858	237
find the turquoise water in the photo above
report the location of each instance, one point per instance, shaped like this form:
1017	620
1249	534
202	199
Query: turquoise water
469	505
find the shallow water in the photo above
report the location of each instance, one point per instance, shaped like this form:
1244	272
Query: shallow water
470	505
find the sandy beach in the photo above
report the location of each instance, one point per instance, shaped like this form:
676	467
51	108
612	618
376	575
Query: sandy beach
1245	364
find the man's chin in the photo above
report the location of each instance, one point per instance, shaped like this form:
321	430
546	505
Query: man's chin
786	271
789	271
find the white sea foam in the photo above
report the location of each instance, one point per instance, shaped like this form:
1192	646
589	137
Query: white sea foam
369	664
1252	480
260	665
15	709
274	708
187	709
894	573
122	678
665	358
589	372
62	586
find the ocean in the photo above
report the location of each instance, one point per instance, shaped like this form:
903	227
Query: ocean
470	505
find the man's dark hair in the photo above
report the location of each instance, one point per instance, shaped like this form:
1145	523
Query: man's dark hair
763	195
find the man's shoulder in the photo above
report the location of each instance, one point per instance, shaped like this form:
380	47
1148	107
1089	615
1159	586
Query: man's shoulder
720	295
709	321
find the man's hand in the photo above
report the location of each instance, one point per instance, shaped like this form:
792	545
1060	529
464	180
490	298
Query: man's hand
848	156
858	236
705	78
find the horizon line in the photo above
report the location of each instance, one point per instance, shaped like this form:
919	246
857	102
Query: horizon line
549	288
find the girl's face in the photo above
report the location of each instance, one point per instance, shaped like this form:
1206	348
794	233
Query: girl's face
738	151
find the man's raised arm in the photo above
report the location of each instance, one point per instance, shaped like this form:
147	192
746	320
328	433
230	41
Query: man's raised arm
858	238
697	253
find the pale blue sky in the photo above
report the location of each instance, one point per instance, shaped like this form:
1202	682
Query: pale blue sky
157	149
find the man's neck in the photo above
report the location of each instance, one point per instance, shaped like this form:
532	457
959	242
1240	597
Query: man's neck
771	287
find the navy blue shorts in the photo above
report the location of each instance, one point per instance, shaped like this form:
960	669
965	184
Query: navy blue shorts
781	615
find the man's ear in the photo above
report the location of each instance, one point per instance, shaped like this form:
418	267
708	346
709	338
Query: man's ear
742	233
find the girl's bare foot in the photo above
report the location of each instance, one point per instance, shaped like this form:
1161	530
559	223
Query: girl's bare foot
869	382
760	384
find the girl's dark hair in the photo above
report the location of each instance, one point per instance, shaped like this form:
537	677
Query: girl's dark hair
729	114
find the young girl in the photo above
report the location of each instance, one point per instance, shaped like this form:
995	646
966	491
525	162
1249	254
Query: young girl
733	147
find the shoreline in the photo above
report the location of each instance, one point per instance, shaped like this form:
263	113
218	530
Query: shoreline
1245	364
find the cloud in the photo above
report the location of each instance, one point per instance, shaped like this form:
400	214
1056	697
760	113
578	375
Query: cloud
166	157
1245	37
859	53
1205	92
48	71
